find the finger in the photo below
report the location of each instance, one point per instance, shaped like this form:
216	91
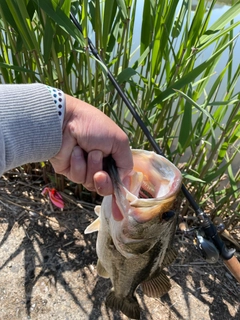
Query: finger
103	183
94	164
77	166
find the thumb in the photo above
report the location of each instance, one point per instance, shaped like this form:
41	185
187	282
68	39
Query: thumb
103	183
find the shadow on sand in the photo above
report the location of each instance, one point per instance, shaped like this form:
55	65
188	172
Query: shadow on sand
55	248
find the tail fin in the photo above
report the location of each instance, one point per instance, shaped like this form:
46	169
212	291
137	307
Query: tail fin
128	305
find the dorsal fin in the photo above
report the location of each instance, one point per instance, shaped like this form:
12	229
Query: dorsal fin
156	286
94	226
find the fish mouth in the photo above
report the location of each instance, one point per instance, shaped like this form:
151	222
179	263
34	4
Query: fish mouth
149	190
145	194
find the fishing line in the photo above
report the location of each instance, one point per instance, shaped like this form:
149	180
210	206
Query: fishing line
206	224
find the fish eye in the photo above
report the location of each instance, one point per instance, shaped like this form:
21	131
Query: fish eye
168	215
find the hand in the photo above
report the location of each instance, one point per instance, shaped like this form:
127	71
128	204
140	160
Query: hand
88	136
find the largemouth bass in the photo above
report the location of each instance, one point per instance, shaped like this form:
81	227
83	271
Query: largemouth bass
135	231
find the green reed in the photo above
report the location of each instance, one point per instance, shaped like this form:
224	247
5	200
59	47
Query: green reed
192	112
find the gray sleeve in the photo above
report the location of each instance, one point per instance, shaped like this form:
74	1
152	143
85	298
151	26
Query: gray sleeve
30	128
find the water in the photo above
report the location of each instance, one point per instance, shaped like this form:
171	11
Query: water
219	9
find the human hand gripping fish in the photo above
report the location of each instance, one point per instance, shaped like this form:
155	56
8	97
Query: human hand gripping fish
135	230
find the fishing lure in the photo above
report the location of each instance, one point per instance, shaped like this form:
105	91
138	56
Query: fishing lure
54	196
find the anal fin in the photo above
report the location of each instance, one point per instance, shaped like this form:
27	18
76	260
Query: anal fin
156	286
128	305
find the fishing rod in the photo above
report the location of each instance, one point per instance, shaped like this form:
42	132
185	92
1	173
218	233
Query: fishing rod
211	246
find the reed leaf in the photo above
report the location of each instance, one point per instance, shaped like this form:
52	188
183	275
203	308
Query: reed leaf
166	58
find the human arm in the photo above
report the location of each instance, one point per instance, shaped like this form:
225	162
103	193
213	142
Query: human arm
30	131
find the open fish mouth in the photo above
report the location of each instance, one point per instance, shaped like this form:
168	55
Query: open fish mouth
145	194
149	190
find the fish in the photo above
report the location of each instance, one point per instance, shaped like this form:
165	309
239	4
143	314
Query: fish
136	229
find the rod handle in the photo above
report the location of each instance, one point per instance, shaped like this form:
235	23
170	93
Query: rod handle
233	265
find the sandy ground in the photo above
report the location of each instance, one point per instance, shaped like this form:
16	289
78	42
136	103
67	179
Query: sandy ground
48	267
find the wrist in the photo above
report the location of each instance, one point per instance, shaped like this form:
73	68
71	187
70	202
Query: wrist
70	105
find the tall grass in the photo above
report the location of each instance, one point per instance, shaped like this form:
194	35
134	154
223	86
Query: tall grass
158	55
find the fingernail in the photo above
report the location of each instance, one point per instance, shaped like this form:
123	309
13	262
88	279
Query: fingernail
102	184
77	152
97	157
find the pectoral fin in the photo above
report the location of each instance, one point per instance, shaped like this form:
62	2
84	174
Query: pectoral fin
156	286
97	210
101	270
94	226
